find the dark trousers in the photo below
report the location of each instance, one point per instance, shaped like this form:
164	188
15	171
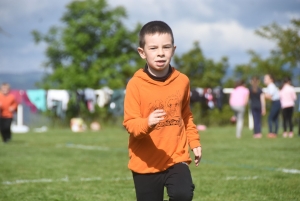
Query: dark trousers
256	113
287	114
273	116
177	179
5	129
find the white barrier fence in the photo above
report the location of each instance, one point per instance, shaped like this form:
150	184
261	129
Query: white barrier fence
19	127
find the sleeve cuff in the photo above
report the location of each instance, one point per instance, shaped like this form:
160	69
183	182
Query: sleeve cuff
194	144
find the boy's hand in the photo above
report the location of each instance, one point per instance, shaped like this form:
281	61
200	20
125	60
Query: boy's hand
11	109
198	153
155	117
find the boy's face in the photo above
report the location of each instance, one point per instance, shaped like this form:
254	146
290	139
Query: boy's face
5	89
158	51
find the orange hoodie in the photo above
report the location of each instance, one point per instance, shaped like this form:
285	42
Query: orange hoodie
156	149
6	102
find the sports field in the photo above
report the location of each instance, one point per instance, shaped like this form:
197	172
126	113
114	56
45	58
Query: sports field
59	165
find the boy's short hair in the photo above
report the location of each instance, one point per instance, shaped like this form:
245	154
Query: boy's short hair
5	84
154	27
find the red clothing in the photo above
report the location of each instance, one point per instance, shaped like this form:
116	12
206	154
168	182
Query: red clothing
21	97
6	102
156	149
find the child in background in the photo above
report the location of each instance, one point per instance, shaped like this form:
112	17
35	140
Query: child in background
257	105
287	100
238	100
272	93
8	106
159	121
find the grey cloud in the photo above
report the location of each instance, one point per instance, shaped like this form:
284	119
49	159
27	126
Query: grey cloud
255	13
19	18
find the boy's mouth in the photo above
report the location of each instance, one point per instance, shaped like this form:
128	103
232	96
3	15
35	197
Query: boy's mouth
160	62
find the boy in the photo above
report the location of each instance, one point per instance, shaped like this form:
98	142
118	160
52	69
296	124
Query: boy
8	106
158	118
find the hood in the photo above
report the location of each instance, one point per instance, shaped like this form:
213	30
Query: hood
140	74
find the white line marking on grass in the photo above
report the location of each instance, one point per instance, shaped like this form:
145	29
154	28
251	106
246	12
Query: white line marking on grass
23	181
119	179
86	147
292	171
66	179
284	170
91	179
242	178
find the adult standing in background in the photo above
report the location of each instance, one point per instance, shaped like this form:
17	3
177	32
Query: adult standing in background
272	93
238	101
8	106
257	105
287	100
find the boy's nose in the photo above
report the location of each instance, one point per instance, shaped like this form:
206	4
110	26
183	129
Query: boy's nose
160	52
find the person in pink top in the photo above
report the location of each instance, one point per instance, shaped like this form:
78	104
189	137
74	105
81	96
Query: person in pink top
287	100
238	101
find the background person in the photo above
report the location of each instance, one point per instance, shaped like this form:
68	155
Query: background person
257	105
272	93
159	121
287	101
238	100
8	106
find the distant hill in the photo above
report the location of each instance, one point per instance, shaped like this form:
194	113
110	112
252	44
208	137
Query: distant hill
22	81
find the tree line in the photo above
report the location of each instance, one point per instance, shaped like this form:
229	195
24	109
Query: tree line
93	48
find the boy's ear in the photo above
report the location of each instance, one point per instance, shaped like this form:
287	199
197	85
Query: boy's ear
174	48
141	52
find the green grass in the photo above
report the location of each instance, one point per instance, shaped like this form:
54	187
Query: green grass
59	165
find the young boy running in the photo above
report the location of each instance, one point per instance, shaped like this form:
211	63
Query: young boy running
8	106
159	121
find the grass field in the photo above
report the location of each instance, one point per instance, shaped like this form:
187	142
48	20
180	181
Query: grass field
59	165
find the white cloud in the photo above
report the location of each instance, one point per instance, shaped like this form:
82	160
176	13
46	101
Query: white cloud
223	28
293	15
25	64
221	36
31	48
10	11
28	57
144	11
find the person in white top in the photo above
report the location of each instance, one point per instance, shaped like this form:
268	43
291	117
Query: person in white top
287	100
272	93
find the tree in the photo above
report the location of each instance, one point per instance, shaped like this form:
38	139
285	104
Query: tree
92	49
287	39
273	65
202	72
282	60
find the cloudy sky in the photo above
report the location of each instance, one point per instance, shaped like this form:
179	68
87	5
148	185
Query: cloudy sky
224	28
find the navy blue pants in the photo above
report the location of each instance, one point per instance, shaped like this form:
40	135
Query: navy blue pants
273	116
177	179
256	113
